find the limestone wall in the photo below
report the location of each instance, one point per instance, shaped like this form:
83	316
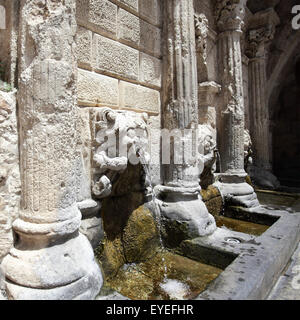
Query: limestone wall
119	54
8	41
120	59
9	170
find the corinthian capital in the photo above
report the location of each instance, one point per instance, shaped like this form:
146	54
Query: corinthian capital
230	14
262	28
257	38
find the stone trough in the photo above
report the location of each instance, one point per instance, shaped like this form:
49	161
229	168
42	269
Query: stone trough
132	134
239	266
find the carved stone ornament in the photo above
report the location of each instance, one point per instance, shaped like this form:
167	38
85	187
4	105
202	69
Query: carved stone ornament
256	38
121	137
230	14
201	30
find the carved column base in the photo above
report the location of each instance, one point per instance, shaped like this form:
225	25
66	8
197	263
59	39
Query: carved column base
184	214
91	223
235	190
51	261
263	177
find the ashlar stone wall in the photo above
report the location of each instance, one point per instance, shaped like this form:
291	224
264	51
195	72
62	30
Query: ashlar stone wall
10	185
119	54
8	41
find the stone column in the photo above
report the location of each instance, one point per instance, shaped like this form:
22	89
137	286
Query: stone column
50	258
231	123
180	112
180	101
261	33
230	15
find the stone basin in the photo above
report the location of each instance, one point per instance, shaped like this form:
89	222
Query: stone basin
143	281
241	260
279	200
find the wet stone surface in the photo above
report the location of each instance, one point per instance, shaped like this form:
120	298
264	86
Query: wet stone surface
241	226
279	200
145	281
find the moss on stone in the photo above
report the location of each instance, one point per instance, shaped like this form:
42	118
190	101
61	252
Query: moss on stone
142	281
210	193
140	237
248	180
213	200
131	237
174	232
111	257
215	206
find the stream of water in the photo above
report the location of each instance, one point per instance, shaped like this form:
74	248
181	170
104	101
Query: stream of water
219	160
156	209
173	288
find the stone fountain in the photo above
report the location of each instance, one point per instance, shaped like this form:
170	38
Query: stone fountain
102	89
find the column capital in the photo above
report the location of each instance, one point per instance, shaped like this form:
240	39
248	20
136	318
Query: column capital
262	28
230	15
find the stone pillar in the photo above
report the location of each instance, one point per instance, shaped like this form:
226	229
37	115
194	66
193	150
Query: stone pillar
230	15
261	33
231	123
180	101
50	258
180	112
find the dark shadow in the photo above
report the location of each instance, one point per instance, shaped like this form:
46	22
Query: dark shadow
286	133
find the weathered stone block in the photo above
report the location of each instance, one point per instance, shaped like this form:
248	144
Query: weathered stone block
139	97
150	38
82	11
10	185
150	70
128	27
103	15
115	58
132	4
95	89
150	10
8	40
84	47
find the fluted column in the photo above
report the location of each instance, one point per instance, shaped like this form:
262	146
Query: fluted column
259	123
181	189
50	258
180	101
231	118
230	15
260	35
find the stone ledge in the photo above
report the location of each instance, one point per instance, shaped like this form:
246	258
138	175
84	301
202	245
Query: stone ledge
254	272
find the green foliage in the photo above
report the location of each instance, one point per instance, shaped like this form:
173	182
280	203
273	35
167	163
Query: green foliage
4	86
